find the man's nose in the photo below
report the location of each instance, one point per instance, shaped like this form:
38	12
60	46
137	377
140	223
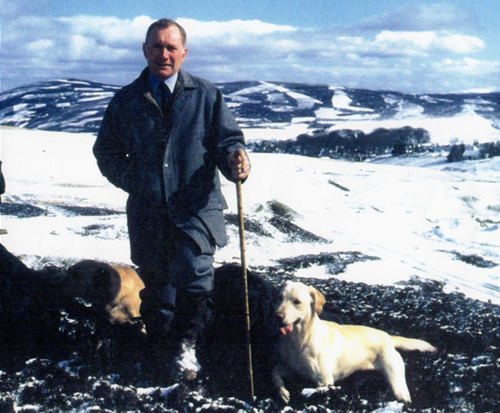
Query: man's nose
164	53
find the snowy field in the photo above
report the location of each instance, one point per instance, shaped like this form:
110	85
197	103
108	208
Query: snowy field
418	216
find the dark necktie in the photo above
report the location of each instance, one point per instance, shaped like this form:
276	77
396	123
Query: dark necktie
165	97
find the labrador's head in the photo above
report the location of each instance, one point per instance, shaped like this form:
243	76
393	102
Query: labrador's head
296	305
94	281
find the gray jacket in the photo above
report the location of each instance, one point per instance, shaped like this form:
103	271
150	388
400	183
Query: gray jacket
171	159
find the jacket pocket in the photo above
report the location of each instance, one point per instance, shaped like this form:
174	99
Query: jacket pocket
214	221
146	186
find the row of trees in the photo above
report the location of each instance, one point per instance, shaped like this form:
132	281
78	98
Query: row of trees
459	152
358	146
351	144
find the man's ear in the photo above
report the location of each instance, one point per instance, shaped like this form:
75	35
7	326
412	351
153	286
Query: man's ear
144	50
318	300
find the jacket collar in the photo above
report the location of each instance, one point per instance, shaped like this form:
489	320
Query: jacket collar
142	82
186	80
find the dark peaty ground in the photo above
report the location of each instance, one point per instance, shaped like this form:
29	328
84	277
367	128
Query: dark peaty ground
49	360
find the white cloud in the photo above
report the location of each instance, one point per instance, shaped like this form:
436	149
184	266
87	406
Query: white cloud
418	43
421	17
84	38
459	43
411	43
40	46
14	8
468	66
241	28
103	48
81	48
111	30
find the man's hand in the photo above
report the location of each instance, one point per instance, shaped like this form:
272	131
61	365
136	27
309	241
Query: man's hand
239	165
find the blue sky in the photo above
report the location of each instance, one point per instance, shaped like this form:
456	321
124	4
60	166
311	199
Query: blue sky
409	46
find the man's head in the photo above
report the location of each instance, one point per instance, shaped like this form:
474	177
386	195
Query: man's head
165	48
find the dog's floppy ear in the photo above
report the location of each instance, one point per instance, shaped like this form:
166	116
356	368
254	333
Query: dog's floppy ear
106	283
318	300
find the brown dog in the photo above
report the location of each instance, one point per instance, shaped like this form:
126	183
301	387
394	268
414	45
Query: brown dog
111	289
325	352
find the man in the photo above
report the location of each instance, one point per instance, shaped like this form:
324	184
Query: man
2	191
2	182
162	139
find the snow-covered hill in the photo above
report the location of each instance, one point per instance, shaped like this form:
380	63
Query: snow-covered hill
434	220
373	236
285	110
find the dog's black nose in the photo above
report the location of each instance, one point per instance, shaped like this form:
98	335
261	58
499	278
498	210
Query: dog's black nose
279	315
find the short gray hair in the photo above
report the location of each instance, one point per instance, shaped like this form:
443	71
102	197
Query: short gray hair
163	24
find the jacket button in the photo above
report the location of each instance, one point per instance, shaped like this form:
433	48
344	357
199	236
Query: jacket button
166	165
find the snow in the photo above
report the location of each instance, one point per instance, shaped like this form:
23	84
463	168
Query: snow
392	407
414	214
165	391
188	361
341	101
467	127
277	132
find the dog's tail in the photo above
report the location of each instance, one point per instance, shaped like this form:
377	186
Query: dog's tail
412	344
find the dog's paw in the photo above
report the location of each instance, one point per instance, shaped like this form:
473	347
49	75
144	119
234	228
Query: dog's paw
309	392
285	395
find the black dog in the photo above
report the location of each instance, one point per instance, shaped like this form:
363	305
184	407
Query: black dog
28	306
226	351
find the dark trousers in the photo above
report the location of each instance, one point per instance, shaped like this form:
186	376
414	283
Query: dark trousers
169	260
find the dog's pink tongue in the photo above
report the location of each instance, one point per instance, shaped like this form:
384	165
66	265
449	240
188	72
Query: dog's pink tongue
285	330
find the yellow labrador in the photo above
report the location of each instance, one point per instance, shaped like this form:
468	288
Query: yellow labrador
112	289
324	352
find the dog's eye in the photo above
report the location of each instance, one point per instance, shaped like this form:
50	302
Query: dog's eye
297	302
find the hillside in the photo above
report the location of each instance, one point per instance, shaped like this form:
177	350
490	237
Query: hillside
273	111
408	244
410	249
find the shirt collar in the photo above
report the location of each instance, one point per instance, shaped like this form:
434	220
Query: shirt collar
170	82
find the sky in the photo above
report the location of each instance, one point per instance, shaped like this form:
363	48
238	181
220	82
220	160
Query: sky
414	46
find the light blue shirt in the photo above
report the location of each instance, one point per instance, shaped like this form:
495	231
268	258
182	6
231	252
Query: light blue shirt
155	82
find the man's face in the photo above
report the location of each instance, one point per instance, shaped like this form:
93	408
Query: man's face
164	52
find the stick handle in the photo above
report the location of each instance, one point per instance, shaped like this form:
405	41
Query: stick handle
245	283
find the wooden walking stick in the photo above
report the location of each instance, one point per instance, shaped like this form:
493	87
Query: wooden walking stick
245	280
